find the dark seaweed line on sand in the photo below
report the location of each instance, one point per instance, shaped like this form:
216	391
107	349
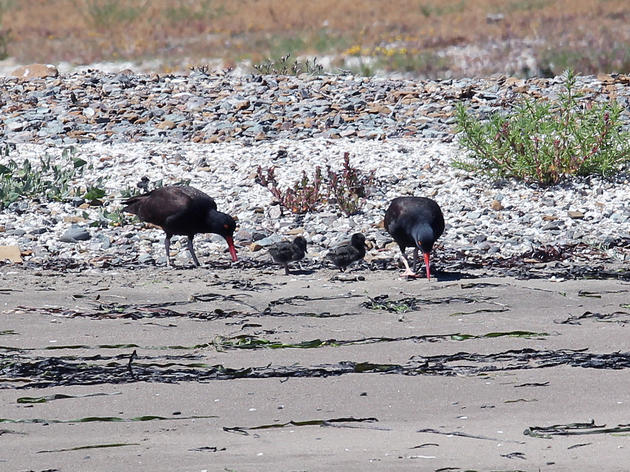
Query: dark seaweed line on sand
53	371
572	261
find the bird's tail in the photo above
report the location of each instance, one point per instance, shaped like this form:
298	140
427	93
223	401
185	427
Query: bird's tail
132	205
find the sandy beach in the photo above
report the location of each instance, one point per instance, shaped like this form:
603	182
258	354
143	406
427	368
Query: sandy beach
249	370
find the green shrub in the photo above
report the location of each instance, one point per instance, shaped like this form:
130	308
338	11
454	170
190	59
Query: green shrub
545	141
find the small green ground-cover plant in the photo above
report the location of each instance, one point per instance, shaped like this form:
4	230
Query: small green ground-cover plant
546	141
53	179
50	180
347	187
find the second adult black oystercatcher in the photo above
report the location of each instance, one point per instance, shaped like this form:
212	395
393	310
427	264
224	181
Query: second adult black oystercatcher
346	254
285	252
415	222
183	210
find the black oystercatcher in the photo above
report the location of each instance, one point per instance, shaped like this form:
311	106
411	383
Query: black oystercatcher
414	222
285	252
183	210
348	253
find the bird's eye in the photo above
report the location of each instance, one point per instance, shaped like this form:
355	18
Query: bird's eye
226	226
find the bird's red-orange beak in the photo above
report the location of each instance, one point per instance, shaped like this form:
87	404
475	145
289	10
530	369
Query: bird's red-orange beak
428	265
230	242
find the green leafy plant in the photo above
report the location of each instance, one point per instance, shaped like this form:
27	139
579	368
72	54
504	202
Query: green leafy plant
130	191
95	193
50	180
107	218
545	141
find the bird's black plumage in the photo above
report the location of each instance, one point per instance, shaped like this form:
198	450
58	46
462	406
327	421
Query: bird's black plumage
285	252
183	210
344	255
415	222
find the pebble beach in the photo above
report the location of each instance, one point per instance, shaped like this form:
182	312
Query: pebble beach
215	130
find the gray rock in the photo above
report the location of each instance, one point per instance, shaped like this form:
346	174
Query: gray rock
268	241
145	258
274	212
104	240
75	234
14	125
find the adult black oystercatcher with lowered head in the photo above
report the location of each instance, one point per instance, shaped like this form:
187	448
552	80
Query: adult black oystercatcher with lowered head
180	209
286	251
346	254
415	222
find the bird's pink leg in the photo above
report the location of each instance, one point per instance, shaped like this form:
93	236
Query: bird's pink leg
408	272
167	245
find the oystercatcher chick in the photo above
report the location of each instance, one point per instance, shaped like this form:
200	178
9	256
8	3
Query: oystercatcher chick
415	222
183	210
285	252
346	254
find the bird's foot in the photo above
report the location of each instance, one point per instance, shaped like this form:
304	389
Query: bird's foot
409	274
